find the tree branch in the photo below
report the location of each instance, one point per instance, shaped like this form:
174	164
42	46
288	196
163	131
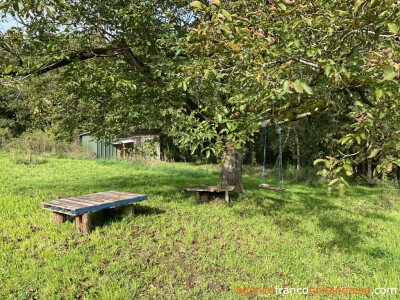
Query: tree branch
318	108
68	59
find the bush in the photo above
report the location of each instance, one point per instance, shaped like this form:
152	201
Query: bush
33	147
5	136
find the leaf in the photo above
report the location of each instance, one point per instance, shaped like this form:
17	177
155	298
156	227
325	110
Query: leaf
346	139
9	69
393	28
307	89
358	103
194	147
344	181
224	28
357	5
298	86
234	46
197	4
51	10
286	86
342	189
348	167
373	153
332	182
390	73
318	161
282	6
327	70
226	15
219	118
308	21
378	93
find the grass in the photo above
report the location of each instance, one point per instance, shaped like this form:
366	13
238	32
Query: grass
174	248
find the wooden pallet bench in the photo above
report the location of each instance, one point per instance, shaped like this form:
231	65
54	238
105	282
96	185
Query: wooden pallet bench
82	206
204	193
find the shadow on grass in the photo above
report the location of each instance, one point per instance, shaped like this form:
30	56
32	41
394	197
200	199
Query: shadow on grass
161	186
107	216
311	212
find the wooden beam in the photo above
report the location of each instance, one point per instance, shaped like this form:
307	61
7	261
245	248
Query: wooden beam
58	218
86	223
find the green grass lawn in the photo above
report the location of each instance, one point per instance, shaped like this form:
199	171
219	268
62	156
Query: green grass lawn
174	248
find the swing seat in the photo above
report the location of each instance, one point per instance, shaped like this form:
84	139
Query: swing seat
271	187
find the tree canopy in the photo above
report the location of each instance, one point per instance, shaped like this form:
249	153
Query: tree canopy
209	72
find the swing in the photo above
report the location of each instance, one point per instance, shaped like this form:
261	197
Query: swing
266	185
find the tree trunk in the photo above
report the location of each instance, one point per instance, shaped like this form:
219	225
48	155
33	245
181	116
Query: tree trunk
370	176
298	153
398	174
231	169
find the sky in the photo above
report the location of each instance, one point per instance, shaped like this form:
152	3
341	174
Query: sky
7	24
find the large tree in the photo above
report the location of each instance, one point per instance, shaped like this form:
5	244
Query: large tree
215	68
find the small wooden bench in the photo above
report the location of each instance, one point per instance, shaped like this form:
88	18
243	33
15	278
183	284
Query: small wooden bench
82	206
204	192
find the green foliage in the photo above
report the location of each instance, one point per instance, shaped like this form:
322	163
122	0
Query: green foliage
375	135
207	72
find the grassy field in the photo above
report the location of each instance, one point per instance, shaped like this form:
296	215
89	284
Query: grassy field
174	248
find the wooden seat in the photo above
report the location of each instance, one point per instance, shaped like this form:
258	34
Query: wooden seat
81	206
204	192
271	187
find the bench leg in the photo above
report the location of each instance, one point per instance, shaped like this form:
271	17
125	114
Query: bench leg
78	223
227	197
58	218
128	209
203	197
83	223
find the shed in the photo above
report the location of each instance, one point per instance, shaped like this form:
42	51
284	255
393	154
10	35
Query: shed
142	143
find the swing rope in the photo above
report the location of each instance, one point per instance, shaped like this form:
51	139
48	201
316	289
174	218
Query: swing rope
279	131
265	133
280	163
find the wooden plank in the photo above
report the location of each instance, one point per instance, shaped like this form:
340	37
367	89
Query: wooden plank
84	201
228	188
66	201
271	187
57	209
58	204
211	189
93	197
67	204
113	196
108	205
91	202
